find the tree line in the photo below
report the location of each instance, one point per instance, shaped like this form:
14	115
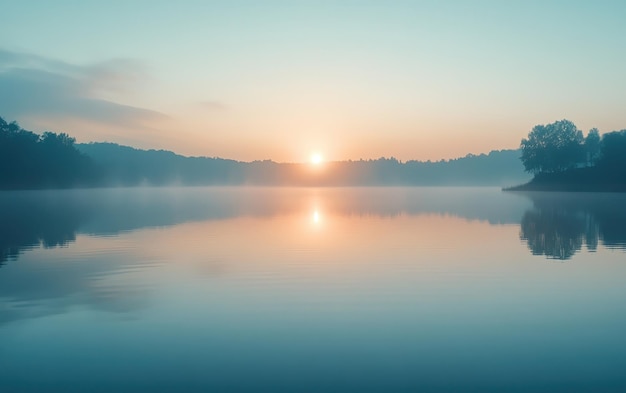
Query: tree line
49	160
561	146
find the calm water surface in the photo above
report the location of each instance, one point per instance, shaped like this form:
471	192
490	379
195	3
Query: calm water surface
312	290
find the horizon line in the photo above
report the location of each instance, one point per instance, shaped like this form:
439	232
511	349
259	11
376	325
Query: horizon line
324	162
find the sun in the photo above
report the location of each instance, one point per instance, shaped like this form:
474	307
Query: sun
316	158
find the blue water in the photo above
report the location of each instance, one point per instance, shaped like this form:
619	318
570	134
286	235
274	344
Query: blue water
312	290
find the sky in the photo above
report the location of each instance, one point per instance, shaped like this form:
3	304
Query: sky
255	80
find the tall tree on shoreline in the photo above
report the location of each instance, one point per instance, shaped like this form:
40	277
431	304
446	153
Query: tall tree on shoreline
592	146
613	152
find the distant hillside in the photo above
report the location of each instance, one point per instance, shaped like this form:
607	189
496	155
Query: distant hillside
127	166
124	165
32	161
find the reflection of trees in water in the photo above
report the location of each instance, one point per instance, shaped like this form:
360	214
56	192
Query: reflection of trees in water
30	219
553	234
27	225
560	224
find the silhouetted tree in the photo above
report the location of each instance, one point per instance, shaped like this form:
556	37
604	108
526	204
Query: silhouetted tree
553	147
613	152
592	146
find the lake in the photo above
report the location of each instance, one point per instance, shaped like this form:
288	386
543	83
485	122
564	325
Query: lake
312	290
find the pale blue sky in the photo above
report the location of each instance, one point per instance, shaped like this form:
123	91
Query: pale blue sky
257	80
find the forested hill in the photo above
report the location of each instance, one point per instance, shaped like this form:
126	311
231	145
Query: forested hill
32	161
128	166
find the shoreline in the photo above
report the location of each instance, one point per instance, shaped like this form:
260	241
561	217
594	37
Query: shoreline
591	179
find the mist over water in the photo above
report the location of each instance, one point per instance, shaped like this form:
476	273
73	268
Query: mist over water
318	290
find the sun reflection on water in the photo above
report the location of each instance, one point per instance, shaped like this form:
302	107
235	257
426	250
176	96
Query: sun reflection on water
316	217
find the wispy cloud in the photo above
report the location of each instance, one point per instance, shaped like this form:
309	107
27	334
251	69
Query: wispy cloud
212	106
32	85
